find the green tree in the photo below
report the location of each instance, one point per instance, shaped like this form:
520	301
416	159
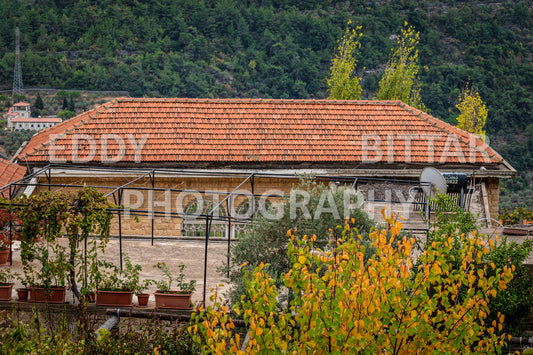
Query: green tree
343	82
39	104
18	98
71	104
65	115
400	79
267	240
473	112
14	139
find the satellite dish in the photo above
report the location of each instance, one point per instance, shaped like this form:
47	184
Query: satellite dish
435	178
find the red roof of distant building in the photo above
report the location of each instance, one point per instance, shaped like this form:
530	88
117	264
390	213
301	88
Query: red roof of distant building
10	172
36	120
246	131
21	104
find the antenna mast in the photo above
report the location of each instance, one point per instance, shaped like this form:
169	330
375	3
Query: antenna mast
17	79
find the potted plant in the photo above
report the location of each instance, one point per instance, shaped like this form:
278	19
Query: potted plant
4	250
142	298
166	296
88	269
6	284
116	287
49	283
22	292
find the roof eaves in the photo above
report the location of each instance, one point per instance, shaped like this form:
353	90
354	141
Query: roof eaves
429	120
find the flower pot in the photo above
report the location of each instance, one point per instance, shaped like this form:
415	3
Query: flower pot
142	299
114	298
22	294
173	300
56	294
5	292
4	256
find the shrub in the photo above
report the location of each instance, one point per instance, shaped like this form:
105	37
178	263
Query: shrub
386	304
135	337
267	241
517	216
515	301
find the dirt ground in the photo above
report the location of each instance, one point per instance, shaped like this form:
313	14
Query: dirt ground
173	253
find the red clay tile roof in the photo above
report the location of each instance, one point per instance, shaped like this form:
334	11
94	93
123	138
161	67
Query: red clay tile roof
37	119
21	104
224	131
10	172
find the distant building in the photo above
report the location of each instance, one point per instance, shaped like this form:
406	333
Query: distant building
19	118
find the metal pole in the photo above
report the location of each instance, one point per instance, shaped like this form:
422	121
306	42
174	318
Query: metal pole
108	325
152	178
49	176
85	257
120	226
354	185
208	220
228	207
428	216
10	240
253	196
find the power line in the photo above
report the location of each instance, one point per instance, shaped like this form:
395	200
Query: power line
17	77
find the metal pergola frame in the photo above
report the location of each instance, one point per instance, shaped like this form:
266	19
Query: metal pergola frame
117	193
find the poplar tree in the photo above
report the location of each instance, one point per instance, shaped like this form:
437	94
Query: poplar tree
473	112
400	80
343	82
39	104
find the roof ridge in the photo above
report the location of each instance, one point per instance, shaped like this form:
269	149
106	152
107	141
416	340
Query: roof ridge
256	100
429	119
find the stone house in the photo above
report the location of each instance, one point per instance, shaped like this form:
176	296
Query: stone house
19	118
163	150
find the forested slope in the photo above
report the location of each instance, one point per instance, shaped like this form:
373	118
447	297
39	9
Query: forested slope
281	49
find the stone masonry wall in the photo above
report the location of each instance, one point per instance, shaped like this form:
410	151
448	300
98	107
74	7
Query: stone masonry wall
167	202
493	190
172	202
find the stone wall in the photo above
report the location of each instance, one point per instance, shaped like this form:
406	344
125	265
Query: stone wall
493	191
169	203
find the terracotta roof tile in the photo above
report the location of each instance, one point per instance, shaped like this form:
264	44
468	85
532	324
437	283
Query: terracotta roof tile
243	130
10	172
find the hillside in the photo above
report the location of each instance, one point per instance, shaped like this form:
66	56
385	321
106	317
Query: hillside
282	49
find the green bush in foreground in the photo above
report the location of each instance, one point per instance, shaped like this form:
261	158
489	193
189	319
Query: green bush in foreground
267	241
386	304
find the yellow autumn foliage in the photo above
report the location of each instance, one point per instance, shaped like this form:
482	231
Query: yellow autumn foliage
473	113
390	303
343	83
400	79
